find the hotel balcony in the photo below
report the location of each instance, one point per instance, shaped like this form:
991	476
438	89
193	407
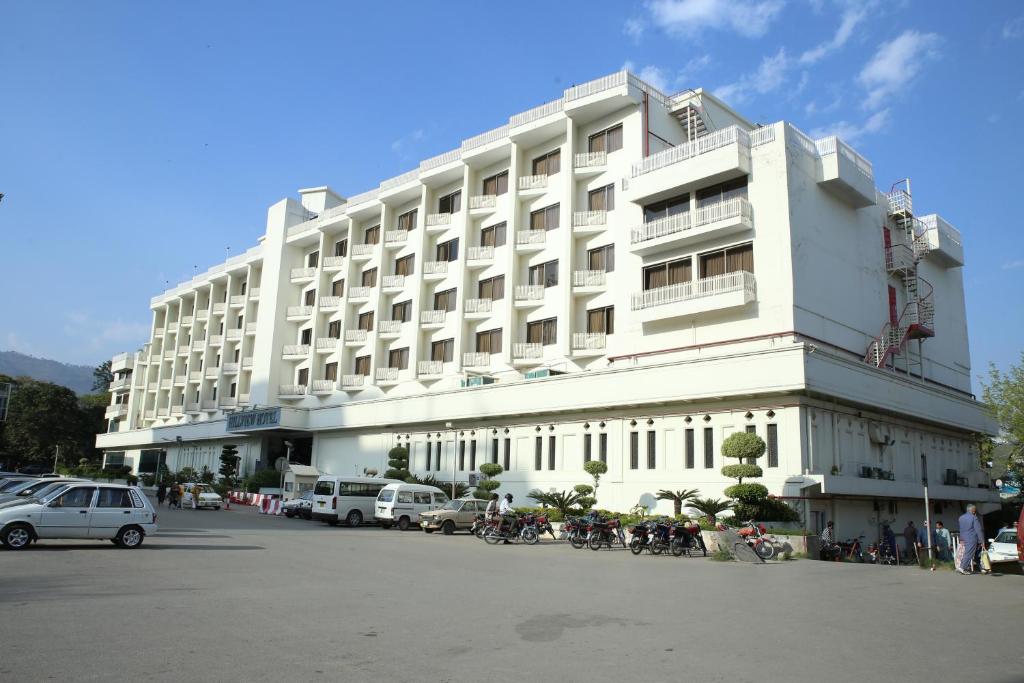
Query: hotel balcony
386	377
355	337
714	220
231	368
432	319
291	391
477	309
586	282
944	241
177	410
332	264
303	274
479	257
212	372
209	406
589	222
121	383
731	290
187	321
220	308
250	328
244	399
247	363
254	294
227	402
150	414
180	380
184	350
389	329
588	344
158	333
322	387
362	252
435	270
533	185
192	408
216	340
590	163
199	345
527	296
237	301
482	204
203	314
233	334
116	411
360	294
714	158
295	352
122	362
438	222
392	284
531	240
353	382
299	313
476	359
169	354
195	377
329	303
428	370
527	353
172	327
395	239
845	173
166	383
326	344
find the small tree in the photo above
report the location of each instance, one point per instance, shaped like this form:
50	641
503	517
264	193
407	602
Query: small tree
398	461
678	498
560	500
744	446
586	498
229	464
595	468
486	487
102	377
710	507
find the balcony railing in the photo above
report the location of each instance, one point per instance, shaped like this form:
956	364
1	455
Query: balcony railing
695	289
209	405
333	262
180	380
254	293
363	249
216	339
389	326
234	333
531	115
359	292
432	317
480	254
435	267
187	320
231	368
533	182
212	372
247	362
529	292
586	219
435	219
527	351
238	300
300	311
832	144
169	354
355	335
531	237
122	382
483	201
597	85
329	302
352	381
228	402
183	350
588	341
393	281
591	159
250	328
396	237
689	150
738	207
429	367
295	350
243	399
323	386
478	305
192	408
219	308
195	376
386	374
291	390
476	359
198	345
302	273
326	344
588	278
166	383
202	315
119	410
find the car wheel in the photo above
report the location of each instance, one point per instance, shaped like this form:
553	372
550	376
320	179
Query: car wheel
130	537
216	507
17	536
307	516
289	515
354	519
448	528
429	531
403	524
386	525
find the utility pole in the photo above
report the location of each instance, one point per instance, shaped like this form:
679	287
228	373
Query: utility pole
927	511
448	426
56	455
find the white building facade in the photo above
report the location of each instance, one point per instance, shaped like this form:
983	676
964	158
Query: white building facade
617	275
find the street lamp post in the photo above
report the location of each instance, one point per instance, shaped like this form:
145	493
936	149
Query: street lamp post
448	426
287	459
927	510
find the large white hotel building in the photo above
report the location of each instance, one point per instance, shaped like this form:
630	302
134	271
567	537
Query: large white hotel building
617	275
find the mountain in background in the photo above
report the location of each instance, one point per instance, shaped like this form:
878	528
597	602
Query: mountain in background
78	378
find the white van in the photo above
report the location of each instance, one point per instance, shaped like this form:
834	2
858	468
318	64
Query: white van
402	504
346	498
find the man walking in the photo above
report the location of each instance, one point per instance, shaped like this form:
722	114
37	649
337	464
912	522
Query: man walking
942	541
828	538
972	537
910	540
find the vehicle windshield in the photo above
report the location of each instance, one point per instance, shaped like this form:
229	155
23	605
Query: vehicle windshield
386	495
31	483
10	485
324	487
453	505
42	489
1008	536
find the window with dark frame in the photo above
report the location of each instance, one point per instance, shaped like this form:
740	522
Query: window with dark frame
544	274
369	278
674	272
440	455
538	446
399	358
652	454
462	455
338	288
442	350
492	288
309	297
602	447
601	320
366	321
634	450
666	208
548	164
331	372
545	219
709	447
489	341
429	454
334	329
494	451
362	366
405	265
728	260
303	379
608	140
402	311
472	455
341	247
493	235
407	221
445	300
587	443
306	337
601	199
450	203
601	258
542	332
689	454
496	184
773	445
722	192
552	444
372	235
448	251
313	259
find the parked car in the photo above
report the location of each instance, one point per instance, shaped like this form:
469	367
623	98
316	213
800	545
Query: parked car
15	487
299	507
37	487
11	483
346	498
114	512
402	504
456	514
36	470
1003	548
208	498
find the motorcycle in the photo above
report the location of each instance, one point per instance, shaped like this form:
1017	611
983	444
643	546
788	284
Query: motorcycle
606	533
687	539
576	530
519	529
754	536
640	538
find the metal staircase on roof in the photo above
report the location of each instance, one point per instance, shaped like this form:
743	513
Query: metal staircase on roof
689	116
916	321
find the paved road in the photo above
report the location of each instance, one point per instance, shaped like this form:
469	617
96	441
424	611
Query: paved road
233	596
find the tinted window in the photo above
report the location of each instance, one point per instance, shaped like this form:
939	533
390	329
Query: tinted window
75	498
324	488
421	497
114	498
386	495
360	490
405	496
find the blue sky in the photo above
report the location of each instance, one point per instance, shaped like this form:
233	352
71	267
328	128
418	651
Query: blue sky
138	141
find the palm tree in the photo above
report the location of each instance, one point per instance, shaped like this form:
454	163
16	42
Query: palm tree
710	507
678	498
560	500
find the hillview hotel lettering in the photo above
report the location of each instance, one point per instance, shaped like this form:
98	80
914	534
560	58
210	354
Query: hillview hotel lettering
618	274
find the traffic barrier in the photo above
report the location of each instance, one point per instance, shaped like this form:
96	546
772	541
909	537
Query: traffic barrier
270	506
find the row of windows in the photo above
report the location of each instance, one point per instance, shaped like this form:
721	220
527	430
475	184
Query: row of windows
718	262
689	447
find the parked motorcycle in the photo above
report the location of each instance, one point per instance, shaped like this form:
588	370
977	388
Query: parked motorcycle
606	533
754	535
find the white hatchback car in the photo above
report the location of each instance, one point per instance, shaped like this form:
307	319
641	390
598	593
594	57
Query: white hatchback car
114	512
1003	548
208	498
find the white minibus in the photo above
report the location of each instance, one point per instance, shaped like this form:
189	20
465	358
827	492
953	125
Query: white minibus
402	504
346	498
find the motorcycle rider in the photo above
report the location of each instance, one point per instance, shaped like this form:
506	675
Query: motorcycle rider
492	507
508	515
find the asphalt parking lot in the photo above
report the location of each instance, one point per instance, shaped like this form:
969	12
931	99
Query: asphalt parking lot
236	596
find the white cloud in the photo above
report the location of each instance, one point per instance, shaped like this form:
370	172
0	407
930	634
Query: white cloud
1013	265
634	28
689	18
852	16
401	144
768	77
693	66
851	132
666	81
896	64
1014	29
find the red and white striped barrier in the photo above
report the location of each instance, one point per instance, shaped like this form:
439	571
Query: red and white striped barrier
270	506
266	503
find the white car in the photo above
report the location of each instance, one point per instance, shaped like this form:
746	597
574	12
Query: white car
1003	548
114	512
208	498
299	507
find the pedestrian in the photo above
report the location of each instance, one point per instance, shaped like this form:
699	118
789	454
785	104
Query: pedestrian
925	540
972	537
196	490
172	495
181	495
828	538
161	493
910	539
942	541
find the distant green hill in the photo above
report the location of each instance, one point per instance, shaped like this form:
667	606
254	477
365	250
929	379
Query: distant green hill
78	378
